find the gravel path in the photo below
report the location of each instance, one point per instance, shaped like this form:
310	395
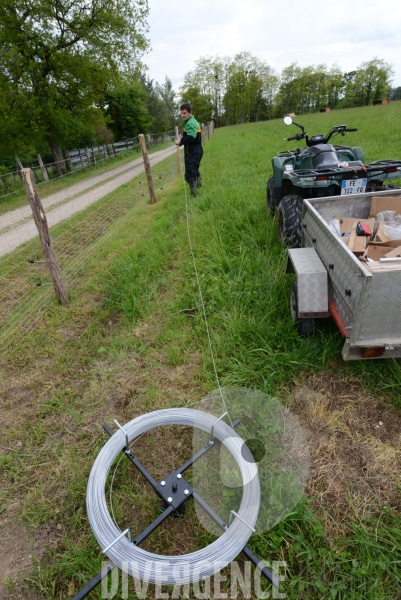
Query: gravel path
17	226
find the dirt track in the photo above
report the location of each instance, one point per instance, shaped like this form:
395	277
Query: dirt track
17	226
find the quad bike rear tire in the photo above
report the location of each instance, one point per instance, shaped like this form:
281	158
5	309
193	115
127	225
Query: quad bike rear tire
289	216
271	207
305	327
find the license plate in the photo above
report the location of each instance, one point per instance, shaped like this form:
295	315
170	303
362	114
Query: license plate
353	186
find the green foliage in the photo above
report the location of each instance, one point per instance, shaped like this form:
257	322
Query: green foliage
167	96
244	88
58	59
249	80
162	105
395	93
308	89
231	90
371	81
127	110
202	104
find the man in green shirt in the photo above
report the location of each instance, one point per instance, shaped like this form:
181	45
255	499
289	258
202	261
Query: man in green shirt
191	139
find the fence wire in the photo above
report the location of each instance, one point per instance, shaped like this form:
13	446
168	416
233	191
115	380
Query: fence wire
26	290
77	162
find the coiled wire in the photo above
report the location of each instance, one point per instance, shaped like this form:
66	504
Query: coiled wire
187	568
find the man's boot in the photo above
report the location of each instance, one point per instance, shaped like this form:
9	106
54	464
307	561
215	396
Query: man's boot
199	181
192	187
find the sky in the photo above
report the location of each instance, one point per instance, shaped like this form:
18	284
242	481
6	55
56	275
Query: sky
307	32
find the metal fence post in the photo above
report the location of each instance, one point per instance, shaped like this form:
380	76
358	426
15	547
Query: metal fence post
177	137
43	168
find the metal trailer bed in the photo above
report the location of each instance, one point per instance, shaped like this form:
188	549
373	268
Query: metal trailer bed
332	281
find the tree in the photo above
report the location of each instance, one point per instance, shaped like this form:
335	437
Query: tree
208	83
162	105
127	110
334	85
167	96
290	89
242	101
371	81
202	104
59	58
395	93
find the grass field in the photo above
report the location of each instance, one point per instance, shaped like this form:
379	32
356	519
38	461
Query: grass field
133	340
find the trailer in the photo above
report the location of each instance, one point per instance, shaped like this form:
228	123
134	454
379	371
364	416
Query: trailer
362	295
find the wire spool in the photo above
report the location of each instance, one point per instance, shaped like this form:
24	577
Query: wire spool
157	568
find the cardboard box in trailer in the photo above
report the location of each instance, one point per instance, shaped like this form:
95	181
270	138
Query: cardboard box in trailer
349	267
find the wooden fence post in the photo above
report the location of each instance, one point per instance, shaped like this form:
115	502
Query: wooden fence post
44	234
68	157
43	168
88	156
177	137
203	134
20	166
147	167
94	155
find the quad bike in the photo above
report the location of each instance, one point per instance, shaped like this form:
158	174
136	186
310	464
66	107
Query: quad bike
319	170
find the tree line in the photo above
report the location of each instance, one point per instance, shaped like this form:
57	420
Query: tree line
244	88
72	75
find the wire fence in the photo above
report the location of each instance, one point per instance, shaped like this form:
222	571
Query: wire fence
78	161
26	290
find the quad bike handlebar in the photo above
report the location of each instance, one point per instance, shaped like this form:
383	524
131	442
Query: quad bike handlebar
316	139
299	136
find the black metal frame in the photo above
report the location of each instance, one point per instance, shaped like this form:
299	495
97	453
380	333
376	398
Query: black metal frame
379	167
174	493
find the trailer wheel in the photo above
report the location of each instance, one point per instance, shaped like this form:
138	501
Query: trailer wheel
289	216
305	327
271	206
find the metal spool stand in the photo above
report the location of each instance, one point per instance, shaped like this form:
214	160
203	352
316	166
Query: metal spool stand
174	490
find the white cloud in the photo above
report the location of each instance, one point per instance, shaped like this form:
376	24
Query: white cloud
307	32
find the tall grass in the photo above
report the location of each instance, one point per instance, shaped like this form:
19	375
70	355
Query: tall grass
134	340
242	263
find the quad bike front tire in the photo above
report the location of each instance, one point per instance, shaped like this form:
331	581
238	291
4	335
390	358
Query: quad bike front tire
289	217
305	327
271	206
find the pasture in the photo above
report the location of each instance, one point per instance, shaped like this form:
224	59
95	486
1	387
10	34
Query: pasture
133	340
